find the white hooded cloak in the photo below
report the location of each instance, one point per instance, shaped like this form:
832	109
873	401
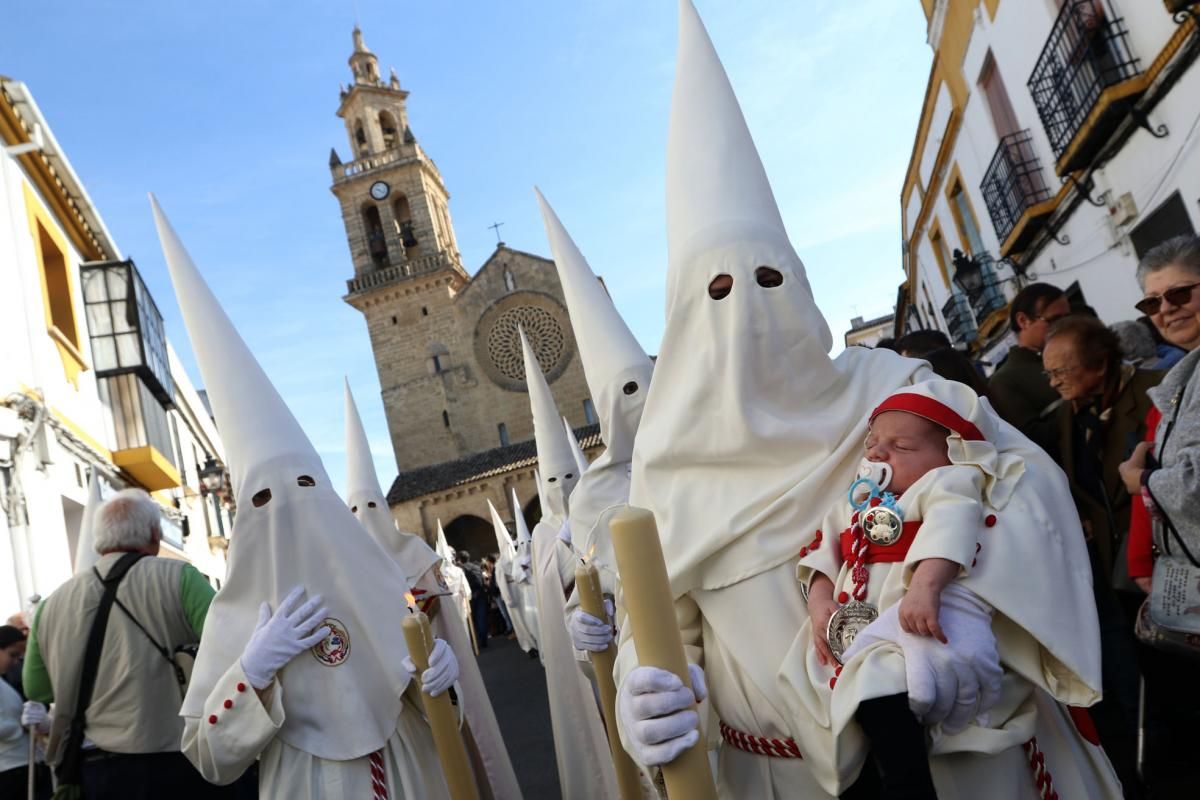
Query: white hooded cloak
749	427
85	547
418	561
585	770
330	708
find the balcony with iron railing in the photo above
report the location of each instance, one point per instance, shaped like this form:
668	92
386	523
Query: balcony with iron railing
959	322
1084	81
988	298
1015	192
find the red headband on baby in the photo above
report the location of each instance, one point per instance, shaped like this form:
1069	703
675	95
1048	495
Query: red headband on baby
932	410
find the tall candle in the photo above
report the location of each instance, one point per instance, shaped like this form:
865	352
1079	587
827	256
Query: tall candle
650	609
591	600
452	752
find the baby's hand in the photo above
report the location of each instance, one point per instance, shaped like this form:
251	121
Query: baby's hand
919	612
821	606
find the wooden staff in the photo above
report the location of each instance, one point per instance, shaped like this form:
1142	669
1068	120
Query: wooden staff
452	752
651	611
591	600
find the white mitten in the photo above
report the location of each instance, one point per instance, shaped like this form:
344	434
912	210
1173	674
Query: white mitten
442	672
658	713
280	637
35	715
952	683
589	633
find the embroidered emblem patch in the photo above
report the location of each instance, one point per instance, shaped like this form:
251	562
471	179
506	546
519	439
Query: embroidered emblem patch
334	649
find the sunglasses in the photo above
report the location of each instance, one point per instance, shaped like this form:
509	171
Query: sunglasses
1179	296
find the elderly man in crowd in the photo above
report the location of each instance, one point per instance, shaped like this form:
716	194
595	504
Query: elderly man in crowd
133	727
1021	391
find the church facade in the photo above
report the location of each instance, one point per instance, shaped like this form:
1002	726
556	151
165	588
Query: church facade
445	342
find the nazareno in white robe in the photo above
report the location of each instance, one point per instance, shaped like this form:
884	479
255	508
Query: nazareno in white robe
585	769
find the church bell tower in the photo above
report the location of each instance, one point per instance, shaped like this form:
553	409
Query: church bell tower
407	267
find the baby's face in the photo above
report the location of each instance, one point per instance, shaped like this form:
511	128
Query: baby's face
911	445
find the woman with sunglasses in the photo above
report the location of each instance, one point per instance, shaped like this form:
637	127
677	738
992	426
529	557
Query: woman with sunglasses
1165	472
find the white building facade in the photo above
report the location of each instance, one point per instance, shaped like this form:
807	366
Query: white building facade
1058	142
88	382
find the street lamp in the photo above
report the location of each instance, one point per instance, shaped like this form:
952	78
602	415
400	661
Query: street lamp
212	483
968	274
212	476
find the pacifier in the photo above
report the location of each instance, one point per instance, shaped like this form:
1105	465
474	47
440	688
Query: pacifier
870	473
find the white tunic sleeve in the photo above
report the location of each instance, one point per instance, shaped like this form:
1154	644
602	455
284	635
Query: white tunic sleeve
951	511
235	729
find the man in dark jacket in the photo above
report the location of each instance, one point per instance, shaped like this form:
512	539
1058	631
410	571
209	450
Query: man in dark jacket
1022	391
479	597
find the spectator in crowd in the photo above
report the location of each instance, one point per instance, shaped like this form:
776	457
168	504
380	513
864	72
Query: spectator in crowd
1101	420
1137	345
886	343
1168	354
1164	473
480	602
1021	391
133	717
494	578
14	733
918	343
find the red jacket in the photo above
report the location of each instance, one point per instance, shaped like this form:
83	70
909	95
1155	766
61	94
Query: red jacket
1139	554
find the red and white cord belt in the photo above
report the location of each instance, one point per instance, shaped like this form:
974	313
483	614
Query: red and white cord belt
760	745
378	776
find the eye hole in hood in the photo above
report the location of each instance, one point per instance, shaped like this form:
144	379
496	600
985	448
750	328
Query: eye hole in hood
261	498
630	388
305	480
720	286
768	277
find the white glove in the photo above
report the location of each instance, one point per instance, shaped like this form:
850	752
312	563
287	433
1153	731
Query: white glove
34	715
659	714
589	633
952	683
442	672
280	637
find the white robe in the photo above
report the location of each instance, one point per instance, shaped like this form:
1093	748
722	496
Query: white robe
585	770
988	753
494	762
512	593
226	741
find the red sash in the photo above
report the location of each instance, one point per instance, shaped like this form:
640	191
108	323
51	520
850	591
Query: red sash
881	554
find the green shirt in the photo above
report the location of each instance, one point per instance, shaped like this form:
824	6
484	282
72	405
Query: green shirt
194	593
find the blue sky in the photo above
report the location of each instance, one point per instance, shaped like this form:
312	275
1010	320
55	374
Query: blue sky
226	112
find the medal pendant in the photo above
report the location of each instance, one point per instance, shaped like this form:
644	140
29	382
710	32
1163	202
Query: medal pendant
846	623
882	525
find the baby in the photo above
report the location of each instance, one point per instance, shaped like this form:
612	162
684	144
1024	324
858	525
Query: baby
912	507
901	447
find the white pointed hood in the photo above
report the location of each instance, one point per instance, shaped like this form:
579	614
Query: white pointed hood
581	459
504	542
369	504
556	462
523	536
85	546
342	699
749	427
524	560
443	547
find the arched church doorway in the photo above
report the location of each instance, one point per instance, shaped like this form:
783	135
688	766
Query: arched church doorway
532	511
473	534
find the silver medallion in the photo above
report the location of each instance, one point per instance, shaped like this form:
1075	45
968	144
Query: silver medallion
882	525
846	623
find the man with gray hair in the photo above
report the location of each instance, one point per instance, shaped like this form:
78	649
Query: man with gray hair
131	723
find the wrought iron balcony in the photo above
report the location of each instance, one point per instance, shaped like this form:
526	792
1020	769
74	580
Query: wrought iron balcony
1015	192
958	318
1086	54
989	297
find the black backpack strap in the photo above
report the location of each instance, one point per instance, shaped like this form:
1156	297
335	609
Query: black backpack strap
180	677
70	768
